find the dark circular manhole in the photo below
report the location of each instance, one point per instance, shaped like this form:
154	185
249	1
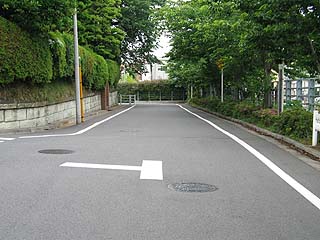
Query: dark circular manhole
56	151
192	187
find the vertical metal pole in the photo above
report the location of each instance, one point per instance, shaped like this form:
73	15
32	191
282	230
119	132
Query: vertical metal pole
81	96
222	85
280	89
311	94
76	66
314	129
191	91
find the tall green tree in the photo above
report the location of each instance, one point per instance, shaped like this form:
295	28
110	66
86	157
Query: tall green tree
140	25
39	16
98	27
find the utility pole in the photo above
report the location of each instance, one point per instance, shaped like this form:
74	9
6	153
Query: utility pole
76	67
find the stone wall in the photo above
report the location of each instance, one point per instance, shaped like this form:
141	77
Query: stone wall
113	99
37	115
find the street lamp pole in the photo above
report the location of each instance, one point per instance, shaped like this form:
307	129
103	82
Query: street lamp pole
76	67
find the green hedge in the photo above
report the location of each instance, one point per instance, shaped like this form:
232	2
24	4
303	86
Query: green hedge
295	122
23	57
152	90
96	70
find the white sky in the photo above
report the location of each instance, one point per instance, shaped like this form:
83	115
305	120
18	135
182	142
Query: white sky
164	47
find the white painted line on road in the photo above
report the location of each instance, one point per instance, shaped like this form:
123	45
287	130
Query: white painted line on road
7	139
1	141
81	131
307	194
101	166
151	170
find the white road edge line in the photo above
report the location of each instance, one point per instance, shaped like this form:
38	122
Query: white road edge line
7	139
1	141
81	131
150	169
307	194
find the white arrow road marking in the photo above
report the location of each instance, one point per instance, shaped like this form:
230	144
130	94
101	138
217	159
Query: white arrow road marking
151	170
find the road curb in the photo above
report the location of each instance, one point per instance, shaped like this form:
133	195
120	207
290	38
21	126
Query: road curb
308	151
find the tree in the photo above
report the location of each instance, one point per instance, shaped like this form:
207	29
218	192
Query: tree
140	25
98	27
39	16
251	37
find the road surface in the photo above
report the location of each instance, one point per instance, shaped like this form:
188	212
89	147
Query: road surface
42	199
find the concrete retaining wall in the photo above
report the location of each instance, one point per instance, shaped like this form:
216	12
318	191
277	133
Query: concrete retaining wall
113	99
26	116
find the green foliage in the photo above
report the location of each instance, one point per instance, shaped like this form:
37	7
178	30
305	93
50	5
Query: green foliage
23	57
295	122
41	16
114	72
249	37
63	55
22	92
94	68
98	27
141	27
151	90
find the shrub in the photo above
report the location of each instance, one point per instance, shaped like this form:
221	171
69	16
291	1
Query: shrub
23	57
295	123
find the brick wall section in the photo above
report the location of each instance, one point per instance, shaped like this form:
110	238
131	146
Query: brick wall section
26	116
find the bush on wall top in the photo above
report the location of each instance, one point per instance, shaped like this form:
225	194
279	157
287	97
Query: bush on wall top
23	57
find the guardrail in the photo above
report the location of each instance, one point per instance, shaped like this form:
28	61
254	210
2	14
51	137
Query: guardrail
127	99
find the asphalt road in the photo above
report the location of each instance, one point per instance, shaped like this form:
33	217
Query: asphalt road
41	200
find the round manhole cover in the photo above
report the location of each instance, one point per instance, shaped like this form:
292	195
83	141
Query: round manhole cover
56	151
192	187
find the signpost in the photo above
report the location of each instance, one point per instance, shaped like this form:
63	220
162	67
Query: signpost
316	127
220	65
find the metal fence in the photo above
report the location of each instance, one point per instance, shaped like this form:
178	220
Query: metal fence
127	99
306	90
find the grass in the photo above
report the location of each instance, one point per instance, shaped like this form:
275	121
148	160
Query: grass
29	93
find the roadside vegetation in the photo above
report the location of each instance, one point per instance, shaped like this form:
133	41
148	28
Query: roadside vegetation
37	51
247	40
295	122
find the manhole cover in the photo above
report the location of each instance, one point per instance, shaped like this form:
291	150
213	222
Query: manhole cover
192	187
56	151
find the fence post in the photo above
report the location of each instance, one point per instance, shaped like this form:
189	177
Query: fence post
138	96
120	99
160	96
288	90
311	94
149	95
171	95
299	90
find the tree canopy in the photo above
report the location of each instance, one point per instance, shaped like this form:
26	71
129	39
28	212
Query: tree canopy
249	37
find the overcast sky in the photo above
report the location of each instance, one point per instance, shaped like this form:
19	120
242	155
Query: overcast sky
164	47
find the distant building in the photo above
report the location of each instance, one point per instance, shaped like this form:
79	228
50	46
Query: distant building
158	71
